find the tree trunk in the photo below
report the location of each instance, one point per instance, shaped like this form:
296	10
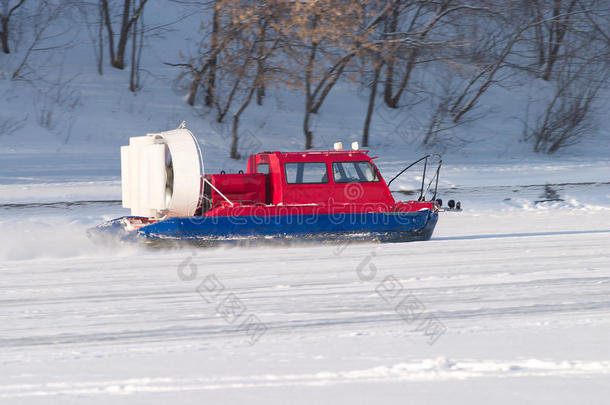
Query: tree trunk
128	19
389	79
100	37
132	74
558	29
260	88
306	131
539	34
308	134
234	153
370	108
393	100
260	66
308	94
119	61
211	80
4	35
4	19
308	139
106	11
234	141
192	94
260	94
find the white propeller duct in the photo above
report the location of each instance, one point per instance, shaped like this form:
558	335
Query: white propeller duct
161	174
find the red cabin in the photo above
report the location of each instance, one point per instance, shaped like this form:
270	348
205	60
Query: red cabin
330	181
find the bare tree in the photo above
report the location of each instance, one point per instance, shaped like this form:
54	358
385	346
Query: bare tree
136	50
8	10
328	37
319	35
415	22
483	78
11	125
568	117
211	79
440	126
394	49
579	71
237	60
372	84
489	58
553	21
92	14
227	24
100	40
47	36
414	35
233	61
258	61
129	17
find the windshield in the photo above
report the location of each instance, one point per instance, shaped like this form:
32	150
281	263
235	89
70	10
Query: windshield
354	172
306	173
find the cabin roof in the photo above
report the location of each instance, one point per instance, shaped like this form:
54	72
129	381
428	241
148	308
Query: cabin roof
331	154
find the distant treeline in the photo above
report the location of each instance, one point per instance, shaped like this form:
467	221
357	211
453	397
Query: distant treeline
447	52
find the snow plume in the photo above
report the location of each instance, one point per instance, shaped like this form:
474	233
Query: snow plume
24	238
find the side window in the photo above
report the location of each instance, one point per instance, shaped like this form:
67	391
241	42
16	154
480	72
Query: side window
354	172
304	173
262	168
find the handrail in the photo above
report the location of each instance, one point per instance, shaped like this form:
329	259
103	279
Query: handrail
438	169
218	191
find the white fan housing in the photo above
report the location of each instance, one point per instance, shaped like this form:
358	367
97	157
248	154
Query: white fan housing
161	174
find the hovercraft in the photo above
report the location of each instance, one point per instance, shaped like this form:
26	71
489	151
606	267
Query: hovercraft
330	195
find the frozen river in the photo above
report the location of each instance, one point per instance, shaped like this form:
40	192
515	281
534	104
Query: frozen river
508	302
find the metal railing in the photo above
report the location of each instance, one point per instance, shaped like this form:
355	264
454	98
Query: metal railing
422	194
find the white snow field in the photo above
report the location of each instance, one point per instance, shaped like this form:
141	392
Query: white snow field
508	303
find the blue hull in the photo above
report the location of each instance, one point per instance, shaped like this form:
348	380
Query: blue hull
386	227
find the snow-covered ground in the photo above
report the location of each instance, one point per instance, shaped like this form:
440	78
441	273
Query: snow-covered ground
508	303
